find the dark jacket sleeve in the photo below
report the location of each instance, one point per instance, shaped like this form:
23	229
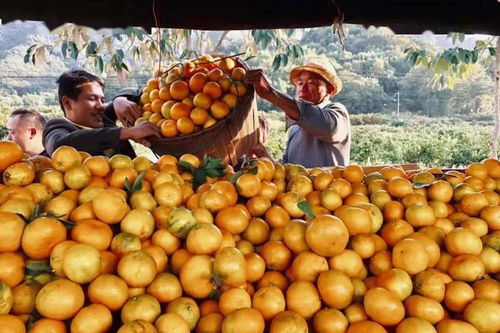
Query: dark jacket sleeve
131	94
59	132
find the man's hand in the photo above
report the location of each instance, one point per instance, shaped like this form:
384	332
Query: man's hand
140	132
126	111
258	79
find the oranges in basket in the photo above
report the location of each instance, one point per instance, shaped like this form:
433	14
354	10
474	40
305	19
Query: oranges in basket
193	95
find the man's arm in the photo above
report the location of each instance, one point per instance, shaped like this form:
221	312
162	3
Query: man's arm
266	91
58	134
125	107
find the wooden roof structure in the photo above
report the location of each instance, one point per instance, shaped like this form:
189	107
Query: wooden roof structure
402	16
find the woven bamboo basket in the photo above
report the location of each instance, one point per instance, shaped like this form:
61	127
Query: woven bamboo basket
228	139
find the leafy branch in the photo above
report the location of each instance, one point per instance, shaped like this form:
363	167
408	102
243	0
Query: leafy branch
210	167
451	64
110	52
136	186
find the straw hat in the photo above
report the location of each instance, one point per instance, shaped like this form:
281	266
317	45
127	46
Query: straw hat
321	67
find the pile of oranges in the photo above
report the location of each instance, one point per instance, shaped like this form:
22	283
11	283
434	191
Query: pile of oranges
91	244
192	96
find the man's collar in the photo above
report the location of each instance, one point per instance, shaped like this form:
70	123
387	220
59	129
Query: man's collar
325	102
78	125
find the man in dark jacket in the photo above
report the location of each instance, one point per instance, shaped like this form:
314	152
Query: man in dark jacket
88	125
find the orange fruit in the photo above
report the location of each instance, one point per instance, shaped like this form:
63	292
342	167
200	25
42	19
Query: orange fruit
163	93
477	170
488	289
269	301
255	267
12	268
212	90
179	90
65	157
230	99
288	321
137	268
140	307
224	82
353	174
166	108
185	125
11	231
202	100
303	297
276	255
383	306
415	325
257	231
203	238
179	110
238	74
81	263
109	206
425	308
463	241
158	255
335	289
138	222
92	318
238	89
197	81
169	128
473	203
348	262
10	153
123	243
92	232
211	322
41	236
357	220
97	165
466	267
60	299
215	74
453	325
248	185
327	235
186	308
230	265
483	315
165	287
46	325
109	290
399	187
195	273
330	320
419	215
234	299
11	324
171	322
245	320
219	109
19	174
410	256
156	106
199	116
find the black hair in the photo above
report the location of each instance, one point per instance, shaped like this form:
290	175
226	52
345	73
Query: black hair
70	83
23	113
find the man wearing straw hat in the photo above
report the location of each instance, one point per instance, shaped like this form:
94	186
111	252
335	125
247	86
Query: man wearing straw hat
319	130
